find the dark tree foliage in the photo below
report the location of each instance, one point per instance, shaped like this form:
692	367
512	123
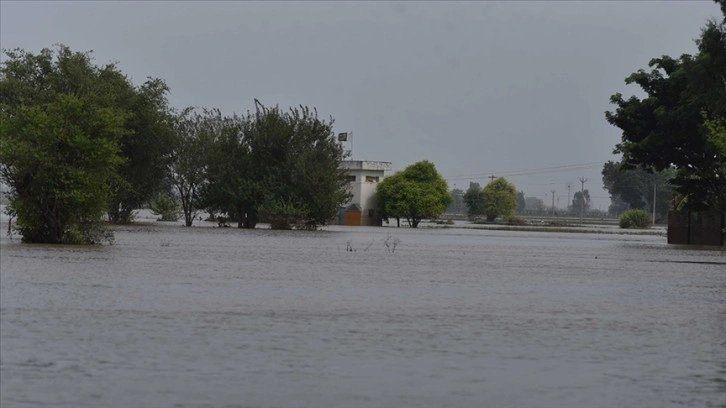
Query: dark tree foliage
668	127
521	202
234	187
634	187
283	166
472	199
146	143
581	201
60	126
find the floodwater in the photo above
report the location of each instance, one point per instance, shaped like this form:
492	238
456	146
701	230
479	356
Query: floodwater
220	317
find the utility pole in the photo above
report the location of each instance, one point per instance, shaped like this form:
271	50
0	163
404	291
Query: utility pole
582	195
492	177
569	203
654	187
553	203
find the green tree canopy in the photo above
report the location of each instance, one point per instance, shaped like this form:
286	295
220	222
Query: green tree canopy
60	127
499	199
415	193
667	127
473	201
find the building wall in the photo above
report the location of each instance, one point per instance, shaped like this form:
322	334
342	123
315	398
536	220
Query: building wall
364	190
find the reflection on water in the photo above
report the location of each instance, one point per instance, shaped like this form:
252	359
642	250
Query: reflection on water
209	317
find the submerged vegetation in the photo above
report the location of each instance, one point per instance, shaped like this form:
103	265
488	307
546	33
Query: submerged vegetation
80	144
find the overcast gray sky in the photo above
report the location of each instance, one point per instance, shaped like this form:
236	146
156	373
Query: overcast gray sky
478	88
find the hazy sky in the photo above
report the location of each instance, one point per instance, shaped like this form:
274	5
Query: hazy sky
478	88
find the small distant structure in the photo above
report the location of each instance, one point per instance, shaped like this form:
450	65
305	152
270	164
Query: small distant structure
363	179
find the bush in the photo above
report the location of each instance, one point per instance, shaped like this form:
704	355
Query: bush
513	220
165	206
635	219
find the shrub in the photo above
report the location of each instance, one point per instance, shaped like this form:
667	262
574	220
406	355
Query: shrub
513	220
165	206
635	219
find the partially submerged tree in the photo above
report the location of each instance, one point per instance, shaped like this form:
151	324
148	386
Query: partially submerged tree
283	166
415	193
144	147
187	162
60	127
499	199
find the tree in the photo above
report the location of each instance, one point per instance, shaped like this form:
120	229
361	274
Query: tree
634	187
472	199
283	166
315	178
499	198
415	193
521	202
144	146
234	182
581	201
60	127
669	127
188	158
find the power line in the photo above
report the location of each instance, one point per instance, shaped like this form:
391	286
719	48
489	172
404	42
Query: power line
530	172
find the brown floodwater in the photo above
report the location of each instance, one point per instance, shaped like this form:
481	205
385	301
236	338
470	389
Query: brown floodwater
220	317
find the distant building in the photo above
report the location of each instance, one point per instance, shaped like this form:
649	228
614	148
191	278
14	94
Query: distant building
363	179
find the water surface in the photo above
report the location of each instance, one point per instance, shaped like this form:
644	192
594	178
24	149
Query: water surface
210	317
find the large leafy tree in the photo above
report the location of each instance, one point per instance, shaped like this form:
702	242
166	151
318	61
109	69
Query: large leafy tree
667	127
284	166
309	174
472	199
499	199
146	143
60	127
415	193
234	188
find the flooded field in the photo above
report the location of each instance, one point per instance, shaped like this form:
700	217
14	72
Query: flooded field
210	317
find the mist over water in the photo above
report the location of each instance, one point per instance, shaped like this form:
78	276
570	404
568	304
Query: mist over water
210	317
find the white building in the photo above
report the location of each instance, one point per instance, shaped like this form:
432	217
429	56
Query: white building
363	178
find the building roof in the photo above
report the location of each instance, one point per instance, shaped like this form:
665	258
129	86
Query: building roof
366	165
